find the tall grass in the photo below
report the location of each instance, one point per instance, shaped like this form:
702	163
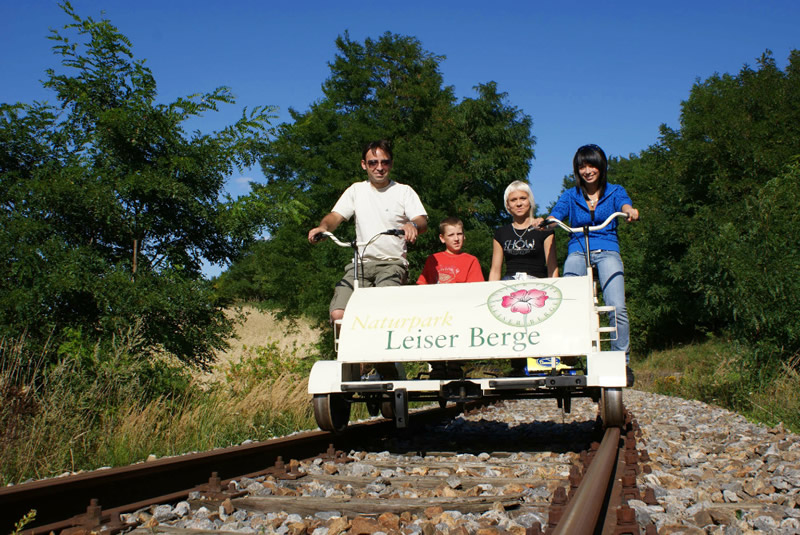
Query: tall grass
780	402
727	374
66	416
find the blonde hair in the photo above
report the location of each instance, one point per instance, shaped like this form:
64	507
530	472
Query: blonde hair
518	185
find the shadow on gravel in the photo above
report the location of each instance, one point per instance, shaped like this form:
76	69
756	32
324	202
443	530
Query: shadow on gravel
465	436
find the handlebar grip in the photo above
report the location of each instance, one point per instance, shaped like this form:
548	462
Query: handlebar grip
395	232
317	237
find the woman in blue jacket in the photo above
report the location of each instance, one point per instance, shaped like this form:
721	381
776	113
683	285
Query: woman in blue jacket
590	202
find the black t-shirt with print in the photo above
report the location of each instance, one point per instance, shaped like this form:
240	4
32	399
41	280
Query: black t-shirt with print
523	250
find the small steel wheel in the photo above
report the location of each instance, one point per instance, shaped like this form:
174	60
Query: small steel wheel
332	412
611	409
387	408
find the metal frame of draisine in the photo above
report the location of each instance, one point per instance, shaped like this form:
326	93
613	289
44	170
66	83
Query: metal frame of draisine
553	323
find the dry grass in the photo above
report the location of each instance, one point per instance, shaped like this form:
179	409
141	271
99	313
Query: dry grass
780	403
66	418
259	329
216	419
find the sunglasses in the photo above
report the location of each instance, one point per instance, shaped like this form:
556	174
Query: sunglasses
374	163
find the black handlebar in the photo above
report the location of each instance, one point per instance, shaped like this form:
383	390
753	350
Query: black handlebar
395	232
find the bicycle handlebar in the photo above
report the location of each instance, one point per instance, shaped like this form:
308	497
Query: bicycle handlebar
579	230
340	243
395	232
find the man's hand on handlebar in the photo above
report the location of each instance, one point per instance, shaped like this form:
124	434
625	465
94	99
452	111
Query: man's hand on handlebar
316	234
410	231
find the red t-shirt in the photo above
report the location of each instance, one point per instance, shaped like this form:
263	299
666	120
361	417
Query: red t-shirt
445	268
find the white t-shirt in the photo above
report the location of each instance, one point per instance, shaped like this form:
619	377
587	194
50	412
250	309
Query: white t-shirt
378	210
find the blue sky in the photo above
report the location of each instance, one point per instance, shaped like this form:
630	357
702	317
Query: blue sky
586	72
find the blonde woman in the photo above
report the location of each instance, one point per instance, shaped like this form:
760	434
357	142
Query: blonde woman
527	251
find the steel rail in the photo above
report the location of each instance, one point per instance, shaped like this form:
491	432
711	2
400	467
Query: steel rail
582	514
58	500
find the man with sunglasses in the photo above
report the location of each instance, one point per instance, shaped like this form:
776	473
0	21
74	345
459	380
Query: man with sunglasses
378	204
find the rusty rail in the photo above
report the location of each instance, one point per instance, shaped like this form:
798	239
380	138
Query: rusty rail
582	514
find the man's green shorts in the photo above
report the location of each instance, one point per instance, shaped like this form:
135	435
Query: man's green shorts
376	273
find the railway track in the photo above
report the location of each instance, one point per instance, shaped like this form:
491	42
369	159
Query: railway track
464	474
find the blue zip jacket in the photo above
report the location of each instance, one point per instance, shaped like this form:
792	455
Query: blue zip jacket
572	206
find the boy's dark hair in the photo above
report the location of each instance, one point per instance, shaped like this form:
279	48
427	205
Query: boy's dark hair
594	156
384	144
452	221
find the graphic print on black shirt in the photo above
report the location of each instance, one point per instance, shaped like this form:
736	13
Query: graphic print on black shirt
523	250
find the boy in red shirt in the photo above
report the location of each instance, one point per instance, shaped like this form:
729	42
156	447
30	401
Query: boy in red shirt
451	265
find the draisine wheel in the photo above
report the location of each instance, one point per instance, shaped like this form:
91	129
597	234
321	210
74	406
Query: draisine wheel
387	409
332	412
611	407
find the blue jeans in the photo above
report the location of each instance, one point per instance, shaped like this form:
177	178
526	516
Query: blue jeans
611	276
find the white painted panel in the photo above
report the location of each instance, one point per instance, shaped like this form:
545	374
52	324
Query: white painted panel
503	319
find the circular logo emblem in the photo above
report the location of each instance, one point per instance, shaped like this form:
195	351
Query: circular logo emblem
524	303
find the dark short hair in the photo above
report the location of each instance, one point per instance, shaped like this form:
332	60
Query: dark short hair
452	221
384	144
594	156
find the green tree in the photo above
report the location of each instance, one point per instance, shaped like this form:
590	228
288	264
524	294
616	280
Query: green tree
108	207
458	156
713	251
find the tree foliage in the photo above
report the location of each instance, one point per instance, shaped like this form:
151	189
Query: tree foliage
108	207
458	156
719	201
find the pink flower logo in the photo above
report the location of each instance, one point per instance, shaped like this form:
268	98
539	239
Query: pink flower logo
523	301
